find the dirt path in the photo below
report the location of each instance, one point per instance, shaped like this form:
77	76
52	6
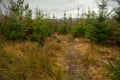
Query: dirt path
82	60
73	60
76	66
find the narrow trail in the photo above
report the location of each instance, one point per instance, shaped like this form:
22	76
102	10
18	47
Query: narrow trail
80	59
73	60
76	66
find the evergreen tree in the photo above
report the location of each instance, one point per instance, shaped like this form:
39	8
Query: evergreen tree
117	19
42	28
14	28
62	29
101	32
103	11
18	7
114	69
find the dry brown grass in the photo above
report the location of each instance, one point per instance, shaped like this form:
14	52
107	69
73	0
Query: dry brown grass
28	61
96	57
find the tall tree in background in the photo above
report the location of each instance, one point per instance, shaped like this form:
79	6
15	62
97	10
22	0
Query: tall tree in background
63	26
114	67
103	10
117	12
41	29
18	7
101	32
65	22
117	19
14	28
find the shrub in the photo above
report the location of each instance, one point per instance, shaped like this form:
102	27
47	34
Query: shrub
78	31
114	69
40	31
13	30
117	34
62	29
100	32
46	31
89	31
118	39
34	37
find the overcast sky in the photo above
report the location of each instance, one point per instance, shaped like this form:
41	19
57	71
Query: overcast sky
58	7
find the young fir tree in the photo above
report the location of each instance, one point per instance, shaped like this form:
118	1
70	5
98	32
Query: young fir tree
62	29
42	28
101	33
79	27
18	7
117	19
14	29
114	67
103	11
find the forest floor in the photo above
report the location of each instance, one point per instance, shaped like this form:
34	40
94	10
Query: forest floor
61	58
83	60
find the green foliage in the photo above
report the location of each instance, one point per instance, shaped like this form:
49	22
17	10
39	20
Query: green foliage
100	33
14	29
46	31
42	28
78	31
114	69
62	29
117	14
89	31
35	37
5	78
117	34
116	17
40	33
103	10
18	7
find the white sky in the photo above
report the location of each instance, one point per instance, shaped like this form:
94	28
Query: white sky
58	7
